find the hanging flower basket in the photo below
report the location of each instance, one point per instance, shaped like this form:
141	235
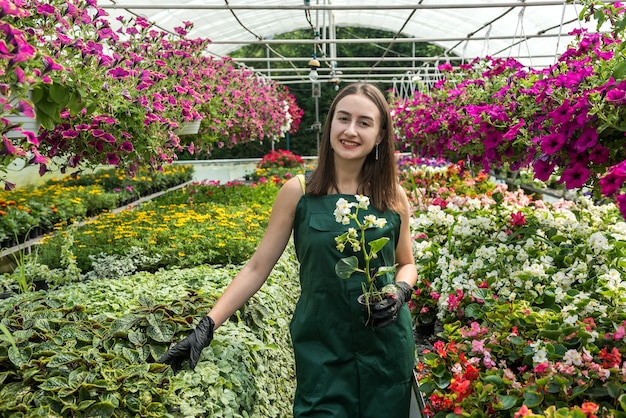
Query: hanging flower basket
189	128
27	123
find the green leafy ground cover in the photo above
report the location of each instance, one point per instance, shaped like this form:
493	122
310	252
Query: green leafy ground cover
88	349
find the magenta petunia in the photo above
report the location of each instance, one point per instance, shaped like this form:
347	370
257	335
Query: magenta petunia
611	183
575	176
616	96
112	158
599	154
127	146
552	143
69	133
543	169
587	139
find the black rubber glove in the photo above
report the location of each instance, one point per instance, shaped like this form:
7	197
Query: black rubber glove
386	311
191	347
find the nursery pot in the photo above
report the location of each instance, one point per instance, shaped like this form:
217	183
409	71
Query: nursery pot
425	330
367	307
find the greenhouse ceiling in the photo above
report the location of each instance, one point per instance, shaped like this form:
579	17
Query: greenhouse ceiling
535	32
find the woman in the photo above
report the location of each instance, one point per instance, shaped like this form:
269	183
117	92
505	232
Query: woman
343	367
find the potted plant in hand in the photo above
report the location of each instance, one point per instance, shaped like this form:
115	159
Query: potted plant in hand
355	238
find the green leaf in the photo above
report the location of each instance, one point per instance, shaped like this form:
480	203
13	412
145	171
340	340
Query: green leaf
61	359
163	332
100	410
507	402
132	403
137	337
473	311
378	244
59	94
385	269
532	399
54	383
20	357
119	327
620	70
346	266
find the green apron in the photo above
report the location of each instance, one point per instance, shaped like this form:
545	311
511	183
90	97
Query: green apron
343	368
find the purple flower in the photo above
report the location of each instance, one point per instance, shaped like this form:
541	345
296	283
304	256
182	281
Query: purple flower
112	158
69	133
552	143
127	146
575	177
543	169
616	96
611	183
599	154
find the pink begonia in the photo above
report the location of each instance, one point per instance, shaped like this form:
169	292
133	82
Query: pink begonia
619	333
478	346
542	367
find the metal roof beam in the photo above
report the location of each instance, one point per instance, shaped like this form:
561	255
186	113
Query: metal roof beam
467	5
352	59
384	40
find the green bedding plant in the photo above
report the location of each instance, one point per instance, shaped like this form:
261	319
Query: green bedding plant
89	348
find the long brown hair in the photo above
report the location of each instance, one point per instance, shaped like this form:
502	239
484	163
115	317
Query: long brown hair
380	174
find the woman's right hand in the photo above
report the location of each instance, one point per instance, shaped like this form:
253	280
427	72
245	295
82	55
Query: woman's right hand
191	347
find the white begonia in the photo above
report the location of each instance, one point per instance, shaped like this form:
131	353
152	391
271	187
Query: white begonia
598	242
614	281
342	210
369	221
380	222
477	264
529	244
573	357
618	228
363	202
521	256
419	249
570	319
540	356
536	270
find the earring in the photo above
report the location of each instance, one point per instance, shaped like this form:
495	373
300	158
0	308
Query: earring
376	155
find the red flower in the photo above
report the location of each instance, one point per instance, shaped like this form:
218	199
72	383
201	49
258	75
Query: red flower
612	359
518	219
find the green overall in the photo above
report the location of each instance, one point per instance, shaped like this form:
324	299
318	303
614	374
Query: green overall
343	368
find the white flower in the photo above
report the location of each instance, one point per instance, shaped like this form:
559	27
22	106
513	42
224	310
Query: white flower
598	242
362	201
540	356
369	221
573	357
342	210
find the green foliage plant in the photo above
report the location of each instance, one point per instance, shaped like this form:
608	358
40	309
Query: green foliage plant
89	348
